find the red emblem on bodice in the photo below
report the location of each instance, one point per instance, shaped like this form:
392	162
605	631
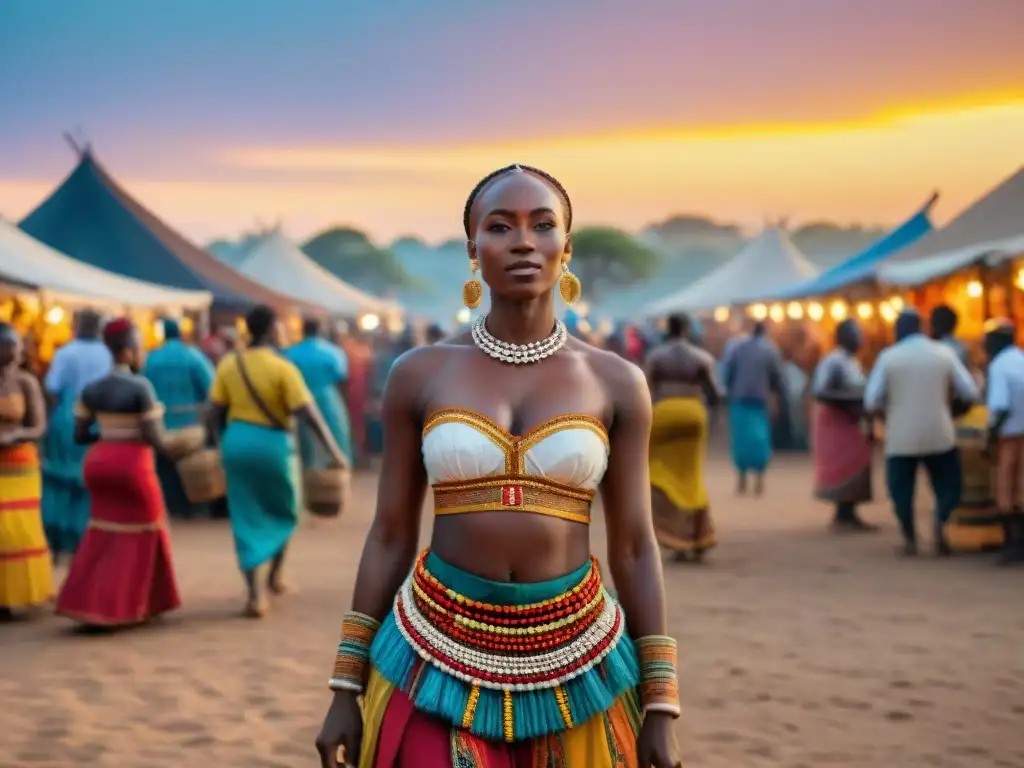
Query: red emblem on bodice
512	495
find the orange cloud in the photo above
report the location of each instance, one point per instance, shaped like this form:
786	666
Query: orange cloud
873	171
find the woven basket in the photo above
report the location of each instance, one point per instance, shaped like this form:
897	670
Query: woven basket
185	442
326	491
202	476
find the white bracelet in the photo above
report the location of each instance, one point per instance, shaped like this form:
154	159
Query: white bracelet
335	684
668	709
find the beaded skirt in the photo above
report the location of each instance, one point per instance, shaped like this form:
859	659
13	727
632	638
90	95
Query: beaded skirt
507	662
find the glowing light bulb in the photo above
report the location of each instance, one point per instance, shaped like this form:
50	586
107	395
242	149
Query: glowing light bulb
795	310
721	314
838	310
815	311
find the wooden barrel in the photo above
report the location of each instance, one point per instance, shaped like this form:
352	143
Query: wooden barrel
325	491
202	476
185	442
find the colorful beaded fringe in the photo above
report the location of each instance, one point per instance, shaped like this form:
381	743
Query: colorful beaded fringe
507	672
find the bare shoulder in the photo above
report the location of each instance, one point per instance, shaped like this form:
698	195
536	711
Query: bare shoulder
415	368
29	383
624	381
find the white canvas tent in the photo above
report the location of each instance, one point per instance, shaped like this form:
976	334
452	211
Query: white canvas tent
990	231
277	263
31	265
768	264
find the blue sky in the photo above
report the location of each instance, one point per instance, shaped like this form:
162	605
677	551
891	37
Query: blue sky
165	89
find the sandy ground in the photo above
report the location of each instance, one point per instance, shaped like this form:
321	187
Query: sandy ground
798	649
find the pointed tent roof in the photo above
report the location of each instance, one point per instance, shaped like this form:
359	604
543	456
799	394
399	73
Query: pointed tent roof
90	217
862	265
769	263
32	264
274	260
991	228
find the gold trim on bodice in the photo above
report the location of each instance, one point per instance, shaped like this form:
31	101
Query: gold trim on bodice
516	490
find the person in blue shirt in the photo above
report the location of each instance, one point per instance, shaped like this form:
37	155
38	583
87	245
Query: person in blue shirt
65	502
324	367
181	376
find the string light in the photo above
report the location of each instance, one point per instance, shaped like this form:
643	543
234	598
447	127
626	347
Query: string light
759	311
795	310
896	302
777	313
865	310
974	289
721	314
815	311
887	312
838	310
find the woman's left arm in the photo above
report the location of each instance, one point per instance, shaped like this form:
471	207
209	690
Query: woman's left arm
635	561
34	426
633	555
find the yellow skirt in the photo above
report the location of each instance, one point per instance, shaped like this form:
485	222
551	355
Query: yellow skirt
679	434
26	575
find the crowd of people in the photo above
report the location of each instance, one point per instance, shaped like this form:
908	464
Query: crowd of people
963	423
88	469
500	644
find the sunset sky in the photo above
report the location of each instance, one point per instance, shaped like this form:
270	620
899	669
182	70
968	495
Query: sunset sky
383	115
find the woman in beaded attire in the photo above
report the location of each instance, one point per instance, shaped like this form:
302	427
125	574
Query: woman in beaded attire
499	646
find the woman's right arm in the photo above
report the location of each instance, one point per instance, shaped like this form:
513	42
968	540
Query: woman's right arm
85	418
390	548
391	545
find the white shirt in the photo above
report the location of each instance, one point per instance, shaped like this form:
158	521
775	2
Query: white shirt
1006	389
912	382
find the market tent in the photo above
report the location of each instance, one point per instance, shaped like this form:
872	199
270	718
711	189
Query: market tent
990	230
768	264
863	265
90	217
275	261
30	264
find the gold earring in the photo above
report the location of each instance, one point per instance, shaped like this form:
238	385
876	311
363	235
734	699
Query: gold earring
472	290
568	284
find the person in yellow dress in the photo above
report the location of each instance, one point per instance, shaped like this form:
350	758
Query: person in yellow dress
26	578
255	396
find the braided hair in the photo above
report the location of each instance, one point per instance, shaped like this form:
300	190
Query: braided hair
516	168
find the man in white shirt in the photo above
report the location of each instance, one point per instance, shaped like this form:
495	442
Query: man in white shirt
1006	433
911	387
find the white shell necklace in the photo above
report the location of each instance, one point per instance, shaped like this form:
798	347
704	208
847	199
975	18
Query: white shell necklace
518	354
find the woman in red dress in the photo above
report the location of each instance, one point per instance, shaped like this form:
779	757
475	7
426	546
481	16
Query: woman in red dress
122	573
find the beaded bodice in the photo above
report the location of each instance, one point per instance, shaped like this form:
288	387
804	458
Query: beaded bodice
476	465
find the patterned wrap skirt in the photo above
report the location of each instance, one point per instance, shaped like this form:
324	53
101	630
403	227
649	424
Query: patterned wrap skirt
679	436
26	578
122	573
472	673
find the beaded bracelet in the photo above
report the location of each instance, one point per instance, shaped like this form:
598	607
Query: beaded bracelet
352	660
659	685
